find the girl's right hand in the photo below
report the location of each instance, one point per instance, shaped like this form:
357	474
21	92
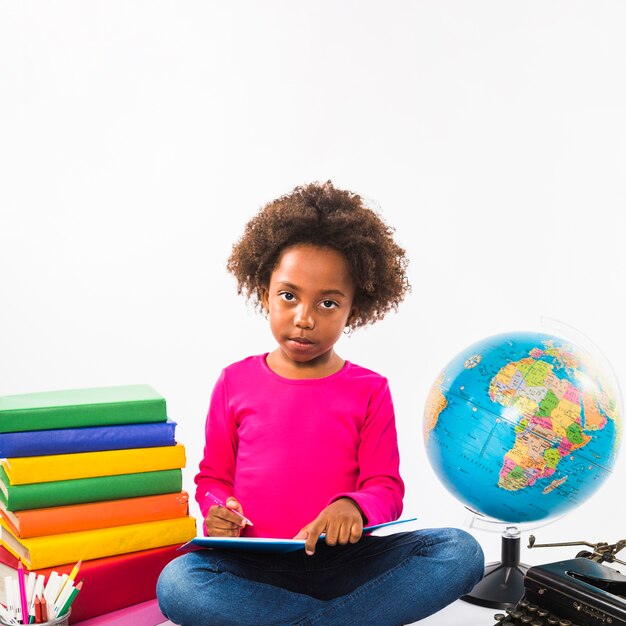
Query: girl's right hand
221	522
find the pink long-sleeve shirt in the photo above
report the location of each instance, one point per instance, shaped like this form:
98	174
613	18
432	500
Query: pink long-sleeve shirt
287	448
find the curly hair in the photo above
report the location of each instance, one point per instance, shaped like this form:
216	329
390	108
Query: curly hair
321	215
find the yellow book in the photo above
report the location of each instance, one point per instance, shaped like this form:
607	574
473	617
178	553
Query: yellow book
50	468
53	550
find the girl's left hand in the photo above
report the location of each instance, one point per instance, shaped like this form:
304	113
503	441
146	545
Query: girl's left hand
342	521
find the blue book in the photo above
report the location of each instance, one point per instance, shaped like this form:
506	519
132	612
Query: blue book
262	544
87	439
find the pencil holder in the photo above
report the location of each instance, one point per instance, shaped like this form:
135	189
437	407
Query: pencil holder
62	620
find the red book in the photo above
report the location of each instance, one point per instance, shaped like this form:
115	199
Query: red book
111	583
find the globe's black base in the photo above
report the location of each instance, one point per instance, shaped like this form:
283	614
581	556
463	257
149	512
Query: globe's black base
500	588
502	585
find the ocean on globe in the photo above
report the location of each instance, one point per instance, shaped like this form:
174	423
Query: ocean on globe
523	426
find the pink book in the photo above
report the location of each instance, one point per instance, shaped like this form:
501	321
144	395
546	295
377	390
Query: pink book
144	614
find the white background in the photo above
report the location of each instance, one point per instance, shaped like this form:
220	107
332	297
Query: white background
137	138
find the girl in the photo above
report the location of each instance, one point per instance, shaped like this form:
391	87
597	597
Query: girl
301	442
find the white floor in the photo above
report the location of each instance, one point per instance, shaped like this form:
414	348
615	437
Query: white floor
458	614
461	613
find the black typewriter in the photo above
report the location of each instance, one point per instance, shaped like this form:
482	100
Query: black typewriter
576	592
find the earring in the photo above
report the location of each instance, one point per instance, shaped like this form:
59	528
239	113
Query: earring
347	328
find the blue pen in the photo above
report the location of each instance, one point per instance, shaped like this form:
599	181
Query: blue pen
220	503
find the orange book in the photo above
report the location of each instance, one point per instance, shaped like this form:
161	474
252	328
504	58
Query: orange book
92	515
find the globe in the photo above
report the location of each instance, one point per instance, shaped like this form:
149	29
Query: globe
523	426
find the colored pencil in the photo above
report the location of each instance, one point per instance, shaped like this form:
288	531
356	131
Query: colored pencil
68	603
70	578
223	505
44	610
22	586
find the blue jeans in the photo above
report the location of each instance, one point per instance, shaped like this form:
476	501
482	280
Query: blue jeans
390	580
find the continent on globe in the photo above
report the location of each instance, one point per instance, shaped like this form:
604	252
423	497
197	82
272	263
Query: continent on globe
552	422
435	403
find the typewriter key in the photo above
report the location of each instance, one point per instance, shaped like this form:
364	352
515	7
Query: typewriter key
500	617
565	622
553	620
526	619
536	622
543	613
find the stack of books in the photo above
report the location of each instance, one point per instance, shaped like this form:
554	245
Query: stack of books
92	475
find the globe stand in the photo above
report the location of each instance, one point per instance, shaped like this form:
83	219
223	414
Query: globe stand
503	583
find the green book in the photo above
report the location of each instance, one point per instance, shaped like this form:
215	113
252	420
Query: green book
57	493
70	408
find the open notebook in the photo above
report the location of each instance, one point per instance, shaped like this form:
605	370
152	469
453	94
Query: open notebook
262	544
